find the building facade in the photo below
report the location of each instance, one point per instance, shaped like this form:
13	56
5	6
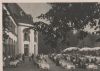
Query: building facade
16	38
9	34
27	40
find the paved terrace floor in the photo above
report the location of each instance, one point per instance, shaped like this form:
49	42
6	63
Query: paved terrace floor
29	66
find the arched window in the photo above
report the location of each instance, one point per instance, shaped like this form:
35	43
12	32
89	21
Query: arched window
26	35
35	34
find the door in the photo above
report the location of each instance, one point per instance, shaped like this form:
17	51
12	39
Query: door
26	50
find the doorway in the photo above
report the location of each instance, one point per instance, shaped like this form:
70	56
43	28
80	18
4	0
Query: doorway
26	49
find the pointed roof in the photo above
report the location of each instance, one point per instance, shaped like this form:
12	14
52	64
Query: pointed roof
18	14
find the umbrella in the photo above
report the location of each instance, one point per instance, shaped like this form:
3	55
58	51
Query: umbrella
96	48
85	49
70	48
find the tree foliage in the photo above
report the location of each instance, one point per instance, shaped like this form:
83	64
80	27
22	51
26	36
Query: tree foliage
68	16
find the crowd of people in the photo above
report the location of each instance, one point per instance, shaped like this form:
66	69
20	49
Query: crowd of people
69	60
39	61
9	61
76	59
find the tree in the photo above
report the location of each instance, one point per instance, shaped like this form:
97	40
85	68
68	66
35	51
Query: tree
68	16
88	41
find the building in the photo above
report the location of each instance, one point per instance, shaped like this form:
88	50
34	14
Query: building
16	38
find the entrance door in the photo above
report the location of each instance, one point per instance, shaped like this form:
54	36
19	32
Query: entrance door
26	50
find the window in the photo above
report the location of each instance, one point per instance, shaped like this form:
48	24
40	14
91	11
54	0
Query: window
35	50
35	38
26	36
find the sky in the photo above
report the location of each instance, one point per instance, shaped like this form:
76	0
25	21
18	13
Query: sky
35	9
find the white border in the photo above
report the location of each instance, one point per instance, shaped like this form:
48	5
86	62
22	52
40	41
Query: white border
1	62
29	1
43	1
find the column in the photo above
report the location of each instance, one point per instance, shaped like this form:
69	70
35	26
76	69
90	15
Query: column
14	47
20	40
31	45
